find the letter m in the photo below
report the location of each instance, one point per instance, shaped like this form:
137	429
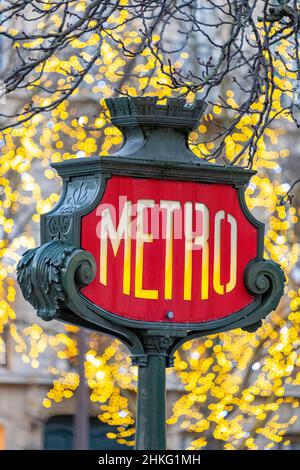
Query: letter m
115	235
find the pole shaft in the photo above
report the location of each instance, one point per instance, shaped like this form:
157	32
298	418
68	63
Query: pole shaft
151	408
81	420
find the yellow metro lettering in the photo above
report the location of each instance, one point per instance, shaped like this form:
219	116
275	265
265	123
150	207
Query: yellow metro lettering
108	230
200	240
218	287
170	206
141	238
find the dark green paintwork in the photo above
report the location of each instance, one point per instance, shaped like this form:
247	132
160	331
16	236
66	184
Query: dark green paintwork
151	405
50	276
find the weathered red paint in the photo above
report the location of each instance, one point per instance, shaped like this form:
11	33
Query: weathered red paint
216	197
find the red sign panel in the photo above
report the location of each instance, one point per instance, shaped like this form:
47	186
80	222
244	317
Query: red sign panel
169	251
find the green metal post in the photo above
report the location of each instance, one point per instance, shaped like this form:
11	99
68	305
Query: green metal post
151	408
81	421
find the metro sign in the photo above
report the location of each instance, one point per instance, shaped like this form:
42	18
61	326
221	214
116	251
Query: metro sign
153	246
169	251
153	240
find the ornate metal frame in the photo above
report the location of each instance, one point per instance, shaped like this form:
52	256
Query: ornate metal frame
51	275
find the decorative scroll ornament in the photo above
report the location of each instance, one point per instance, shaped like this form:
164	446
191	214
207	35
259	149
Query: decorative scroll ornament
264	278
41	274
77	199
59	226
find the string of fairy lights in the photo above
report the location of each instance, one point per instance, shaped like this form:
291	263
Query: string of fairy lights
234	385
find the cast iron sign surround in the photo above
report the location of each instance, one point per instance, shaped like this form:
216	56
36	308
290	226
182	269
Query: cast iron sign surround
147	128
64	224
53	276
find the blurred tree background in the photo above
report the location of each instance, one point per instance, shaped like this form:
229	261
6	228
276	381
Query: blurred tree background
59	60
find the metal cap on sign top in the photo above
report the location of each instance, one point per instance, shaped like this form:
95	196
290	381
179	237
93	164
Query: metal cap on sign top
156	132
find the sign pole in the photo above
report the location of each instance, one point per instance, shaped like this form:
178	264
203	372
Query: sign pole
151	412
151	399
81	420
